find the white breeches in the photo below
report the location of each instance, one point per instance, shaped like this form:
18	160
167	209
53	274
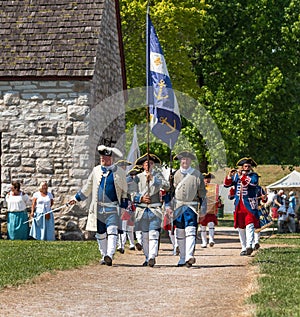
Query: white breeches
150	244
173	240
107	241
102	243
242	235
256	237
203	236
211	231
186	239
127	232
139	237
247	236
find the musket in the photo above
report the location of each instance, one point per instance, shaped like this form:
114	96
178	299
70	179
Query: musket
48	212
172	189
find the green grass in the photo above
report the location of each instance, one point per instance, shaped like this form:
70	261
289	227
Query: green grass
20	261
226	221
280	277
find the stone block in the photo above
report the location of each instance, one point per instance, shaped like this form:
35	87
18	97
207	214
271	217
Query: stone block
47	128
11	159
77	113
44	166
4	126
11	98
65	128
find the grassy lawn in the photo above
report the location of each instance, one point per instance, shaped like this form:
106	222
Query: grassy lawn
226	221
22	260
280	277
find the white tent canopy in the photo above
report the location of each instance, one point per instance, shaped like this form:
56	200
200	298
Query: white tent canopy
289	181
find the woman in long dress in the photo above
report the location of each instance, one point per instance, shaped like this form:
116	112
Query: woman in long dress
42	227
17	217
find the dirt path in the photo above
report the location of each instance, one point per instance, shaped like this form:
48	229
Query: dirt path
216	285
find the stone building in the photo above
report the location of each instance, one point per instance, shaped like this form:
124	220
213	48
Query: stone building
61	94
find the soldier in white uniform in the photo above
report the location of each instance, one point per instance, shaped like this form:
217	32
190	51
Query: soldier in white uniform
124	230
128	215
132	183
188	196
148	206
108	187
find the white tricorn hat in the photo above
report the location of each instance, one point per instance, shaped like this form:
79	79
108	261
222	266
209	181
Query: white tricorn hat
109	151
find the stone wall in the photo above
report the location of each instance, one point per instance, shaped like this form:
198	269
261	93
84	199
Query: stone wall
39	123
47	133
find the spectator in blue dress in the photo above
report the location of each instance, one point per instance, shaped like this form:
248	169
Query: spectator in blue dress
17	217
42	227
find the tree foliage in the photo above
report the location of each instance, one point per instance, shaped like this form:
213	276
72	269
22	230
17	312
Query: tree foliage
239	60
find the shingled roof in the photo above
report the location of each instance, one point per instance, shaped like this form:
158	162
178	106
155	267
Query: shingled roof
49	38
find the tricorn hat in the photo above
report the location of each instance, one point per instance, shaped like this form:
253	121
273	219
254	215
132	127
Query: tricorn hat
180	155
135	170
246	160
208	175
109	151
123	163
144	158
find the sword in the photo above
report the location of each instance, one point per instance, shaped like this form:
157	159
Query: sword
48	212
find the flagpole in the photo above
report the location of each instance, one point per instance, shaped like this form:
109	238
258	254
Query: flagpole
148	87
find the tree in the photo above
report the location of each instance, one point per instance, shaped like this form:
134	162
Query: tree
239	60
248	68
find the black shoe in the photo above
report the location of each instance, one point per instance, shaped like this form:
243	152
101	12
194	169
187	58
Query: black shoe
190	262
132	248
249	251
121	250
243	253
211	244
257	246
108	260
139	246
145	263
151	262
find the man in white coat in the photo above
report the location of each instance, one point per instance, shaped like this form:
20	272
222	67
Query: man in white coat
189	194
148	215
108	187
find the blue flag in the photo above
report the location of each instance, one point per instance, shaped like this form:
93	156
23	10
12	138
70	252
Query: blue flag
163	107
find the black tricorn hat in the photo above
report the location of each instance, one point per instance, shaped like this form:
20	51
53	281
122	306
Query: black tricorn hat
208	175
135	170
109	151
123	163
144	158
180	155
246	160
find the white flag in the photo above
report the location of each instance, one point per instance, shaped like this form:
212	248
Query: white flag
134	152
